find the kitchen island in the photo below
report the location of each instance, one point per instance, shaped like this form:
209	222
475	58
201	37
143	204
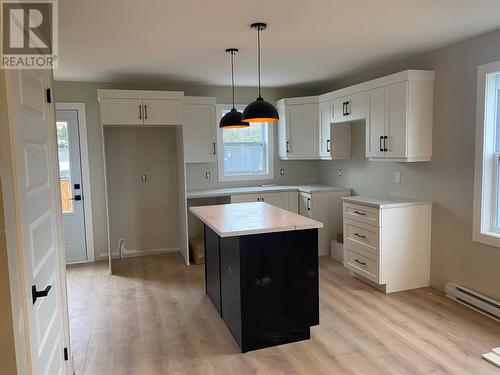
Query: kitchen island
261	272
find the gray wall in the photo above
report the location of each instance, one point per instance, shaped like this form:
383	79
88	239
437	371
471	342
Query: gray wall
144	214
295	171
448	179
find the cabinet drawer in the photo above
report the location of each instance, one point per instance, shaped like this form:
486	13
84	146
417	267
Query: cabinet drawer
363	265
363	236
364	214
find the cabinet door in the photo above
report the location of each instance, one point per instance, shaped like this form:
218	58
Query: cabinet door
395	126
162	112
355	106
282	133
305	205
325	129
375	122
244	198
337	110
302	131
121	112
279	200
199	133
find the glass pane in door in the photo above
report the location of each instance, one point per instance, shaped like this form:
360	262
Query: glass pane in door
64	166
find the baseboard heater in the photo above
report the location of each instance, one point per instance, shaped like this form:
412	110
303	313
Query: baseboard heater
474	300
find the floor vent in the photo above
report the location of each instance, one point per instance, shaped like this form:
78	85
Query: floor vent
474	300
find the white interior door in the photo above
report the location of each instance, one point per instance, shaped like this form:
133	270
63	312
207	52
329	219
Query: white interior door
70	175
35	179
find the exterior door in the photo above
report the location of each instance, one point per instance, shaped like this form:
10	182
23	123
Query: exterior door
35	180
70	175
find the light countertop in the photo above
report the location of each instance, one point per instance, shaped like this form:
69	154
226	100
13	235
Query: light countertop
223	192
384	201
239	219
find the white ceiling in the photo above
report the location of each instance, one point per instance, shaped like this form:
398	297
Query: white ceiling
307	41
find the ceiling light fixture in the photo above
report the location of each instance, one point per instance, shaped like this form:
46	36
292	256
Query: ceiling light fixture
260	110
232	119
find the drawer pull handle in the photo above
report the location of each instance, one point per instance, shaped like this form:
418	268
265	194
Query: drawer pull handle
359	235
360	262
360	213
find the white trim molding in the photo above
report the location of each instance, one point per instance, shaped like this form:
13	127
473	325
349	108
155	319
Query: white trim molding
485	188
84	160
220	150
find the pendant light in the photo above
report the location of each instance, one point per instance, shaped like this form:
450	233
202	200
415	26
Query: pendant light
232	119
260	110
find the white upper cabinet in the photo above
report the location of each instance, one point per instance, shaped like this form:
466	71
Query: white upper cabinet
199	130
121	111
398	110
162	112
348	108
298	128
399	122
335	139
137	107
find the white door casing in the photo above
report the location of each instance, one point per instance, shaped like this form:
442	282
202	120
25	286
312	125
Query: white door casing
35	202
75	244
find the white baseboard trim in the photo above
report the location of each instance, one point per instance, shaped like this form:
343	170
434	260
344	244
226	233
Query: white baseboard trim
137	253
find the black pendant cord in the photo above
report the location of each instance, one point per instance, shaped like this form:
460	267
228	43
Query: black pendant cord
232	74
258	56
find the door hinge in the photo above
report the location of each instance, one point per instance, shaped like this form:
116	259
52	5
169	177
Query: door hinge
49	96
66	357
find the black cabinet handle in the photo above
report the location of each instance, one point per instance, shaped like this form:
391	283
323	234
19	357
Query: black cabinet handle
347	109
343	108
145	112
385	143
39	293
214	148
360	262
140	112
309	204
380	143
327	145
287	146
360	213
359	235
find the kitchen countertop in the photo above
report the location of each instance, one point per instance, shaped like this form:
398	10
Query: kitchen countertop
239	219
385	201
223	192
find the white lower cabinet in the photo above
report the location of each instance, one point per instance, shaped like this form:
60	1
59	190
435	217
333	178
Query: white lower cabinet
325	207
388	246
284	200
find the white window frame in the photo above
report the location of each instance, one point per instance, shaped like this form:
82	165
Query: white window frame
486	160
220	150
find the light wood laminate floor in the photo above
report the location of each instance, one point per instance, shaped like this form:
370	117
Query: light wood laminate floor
153	317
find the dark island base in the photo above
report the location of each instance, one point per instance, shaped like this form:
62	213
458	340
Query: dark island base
264	286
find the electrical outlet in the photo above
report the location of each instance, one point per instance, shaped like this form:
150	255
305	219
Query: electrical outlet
282	172
397	177
144	178
339	172
207	175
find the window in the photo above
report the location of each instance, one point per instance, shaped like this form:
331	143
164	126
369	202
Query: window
487	164
244	153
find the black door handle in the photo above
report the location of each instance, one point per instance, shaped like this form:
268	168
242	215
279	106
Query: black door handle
327	145
39	293
77	197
